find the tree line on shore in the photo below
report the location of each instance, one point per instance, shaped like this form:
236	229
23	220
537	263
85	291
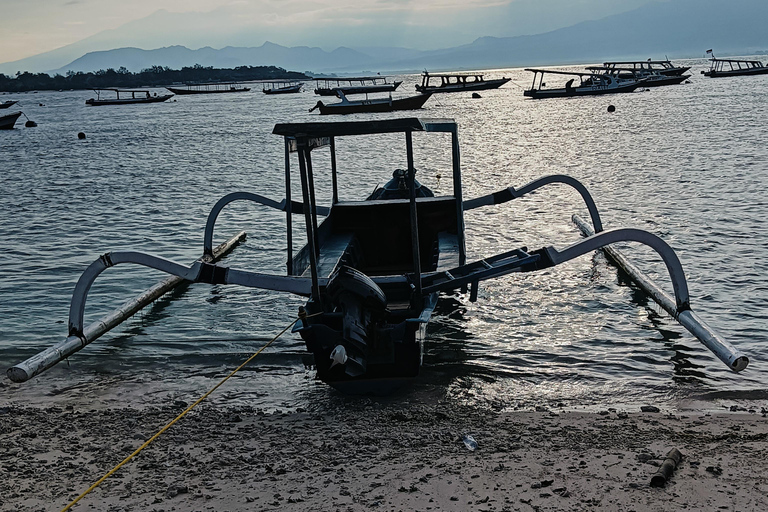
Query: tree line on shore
154	76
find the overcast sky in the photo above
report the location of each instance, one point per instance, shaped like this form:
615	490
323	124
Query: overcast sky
31	27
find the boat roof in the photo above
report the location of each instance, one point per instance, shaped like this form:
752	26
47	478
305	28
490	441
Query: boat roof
637	62
120	90
427	73
714	59
337	129
556	72
349	78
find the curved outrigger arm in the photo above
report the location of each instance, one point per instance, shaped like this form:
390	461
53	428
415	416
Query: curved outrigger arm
200	271
296	208
507	194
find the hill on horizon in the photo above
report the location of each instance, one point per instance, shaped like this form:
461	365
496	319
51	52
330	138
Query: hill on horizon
674	28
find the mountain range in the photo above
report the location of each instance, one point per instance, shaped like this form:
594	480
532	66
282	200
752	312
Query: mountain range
675	28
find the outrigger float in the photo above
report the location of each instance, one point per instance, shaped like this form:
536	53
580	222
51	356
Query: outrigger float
372	269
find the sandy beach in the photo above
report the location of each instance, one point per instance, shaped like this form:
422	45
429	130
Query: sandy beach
369	455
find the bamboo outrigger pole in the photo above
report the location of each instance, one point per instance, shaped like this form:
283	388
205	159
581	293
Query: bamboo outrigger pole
49	357
724	351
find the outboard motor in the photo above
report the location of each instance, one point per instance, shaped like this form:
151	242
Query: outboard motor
363	306
397	188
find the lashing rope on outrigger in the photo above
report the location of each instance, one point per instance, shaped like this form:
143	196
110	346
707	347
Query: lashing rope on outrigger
302	316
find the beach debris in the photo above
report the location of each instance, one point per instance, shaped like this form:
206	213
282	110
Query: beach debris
542	484
650	408
469	442
715	470
667	468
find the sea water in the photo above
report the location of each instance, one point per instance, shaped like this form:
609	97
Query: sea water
688	163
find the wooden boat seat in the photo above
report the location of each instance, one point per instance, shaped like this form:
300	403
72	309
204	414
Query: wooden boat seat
332	250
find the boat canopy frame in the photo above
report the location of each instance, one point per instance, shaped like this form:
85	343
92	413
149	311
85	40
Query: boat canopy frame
303	138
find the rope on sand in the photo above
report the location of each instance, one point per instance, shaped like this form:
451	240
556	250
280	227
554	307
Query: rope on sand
302	316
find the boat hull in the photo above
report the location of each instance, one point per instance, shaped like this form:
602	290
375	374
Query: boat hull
284	90
7	122
736	72
128	101
7	104
361	89
471	86
404	342
203	91
375	105
580	91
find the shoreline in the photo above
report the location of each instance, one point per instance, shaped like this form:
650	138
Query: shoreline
364	455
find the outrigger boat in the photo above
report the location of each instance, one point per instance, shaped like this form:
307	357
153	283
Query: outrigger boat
734	67
136	96
662	67
212	88
281	87
457	82
372	269
590	84
649	78
354	85
9	103
347	106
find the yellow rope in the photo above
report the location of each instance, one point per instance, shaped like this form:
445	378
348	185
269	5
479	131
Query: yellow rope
225	379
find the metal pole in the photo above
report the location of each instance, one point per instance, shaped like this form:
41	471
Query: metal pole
288	211
302	151
457	193
414	215
312	202
333	171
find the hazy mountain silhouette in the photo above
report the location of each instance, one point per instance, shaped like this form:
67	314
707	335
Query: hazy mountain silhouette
677	28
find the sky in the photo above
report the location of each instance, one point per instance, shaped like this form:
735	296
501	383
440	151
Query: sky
31	27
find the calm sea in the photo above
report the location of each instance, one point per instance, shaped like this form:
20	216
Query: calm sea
688	163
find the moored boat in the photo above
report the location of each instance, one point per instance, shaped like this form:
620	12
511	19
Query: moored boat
9	103
130	97
281	87
388	104
649	78
354	85
9	120
372	268
457	82
734	67
211	88
662	67
590	84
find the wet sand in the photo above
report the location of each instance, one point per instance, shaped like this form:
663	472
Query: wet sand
378	456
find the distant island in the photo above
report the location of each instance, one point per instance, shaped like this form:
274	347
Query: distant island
150	77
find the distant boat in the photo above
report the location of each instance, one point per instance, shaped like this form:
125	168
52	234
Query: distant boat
211	88
590	84
662	67
7	121
8	103
458	82
129	97
371	105
650	78
354	85
281	87
734	67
